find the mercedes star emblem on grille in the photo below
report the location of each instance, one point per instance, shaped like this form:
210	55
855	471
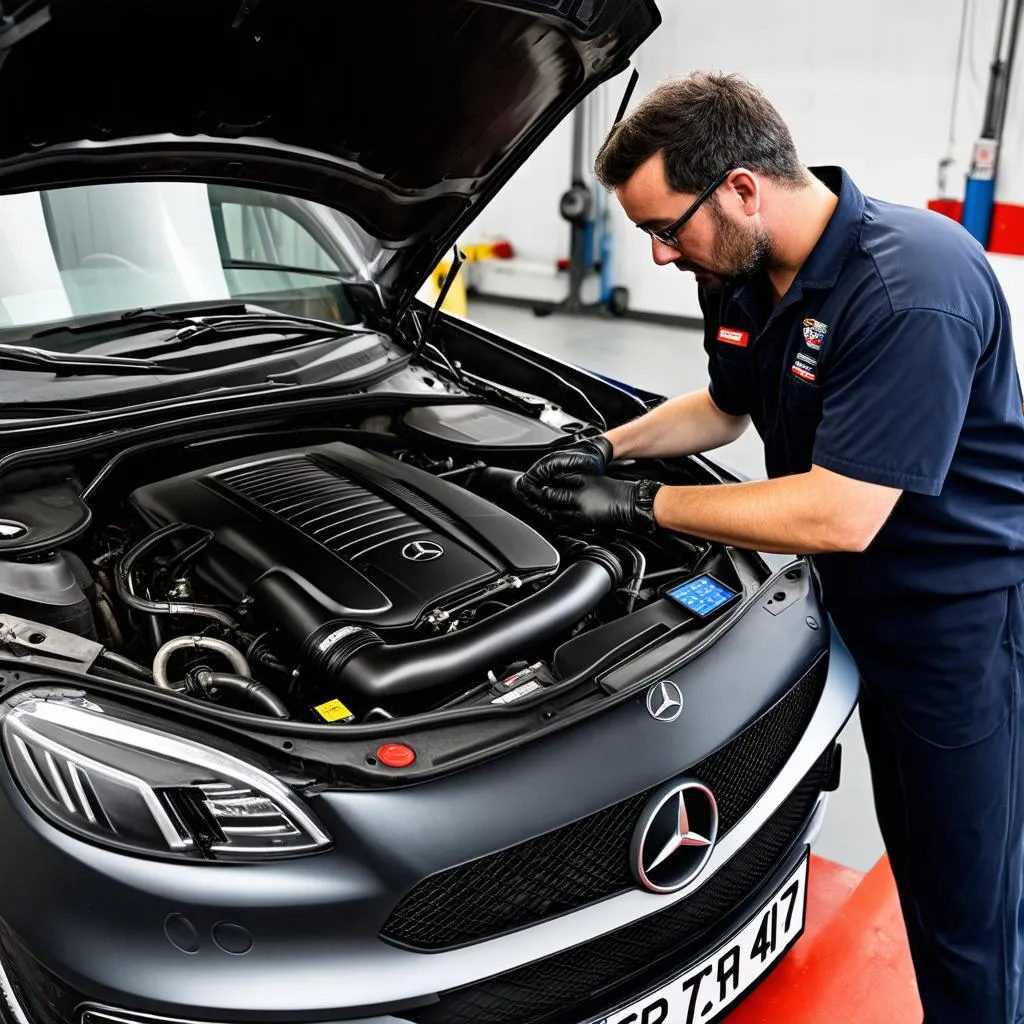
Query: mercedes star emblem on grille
9	530
674	836
665	701
422	551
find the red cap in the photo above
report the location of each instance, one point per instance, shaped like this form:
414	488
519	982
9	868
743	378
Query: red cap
396	755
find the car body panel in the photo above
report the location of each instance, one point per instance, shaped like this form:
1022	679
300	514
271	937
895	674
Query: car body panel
314	914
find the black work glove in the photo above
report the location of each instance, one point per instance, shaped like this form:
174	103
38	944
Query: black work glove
590	456
601	503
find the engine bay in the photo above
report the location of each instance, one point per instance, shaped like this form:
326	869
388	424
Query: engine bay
373	571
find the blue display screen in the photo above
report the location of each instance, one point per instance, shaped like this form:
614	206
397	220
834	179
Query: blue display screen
702	595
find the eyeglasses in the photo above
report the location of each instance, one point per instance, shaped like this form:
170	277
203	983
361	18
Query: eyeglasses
668	235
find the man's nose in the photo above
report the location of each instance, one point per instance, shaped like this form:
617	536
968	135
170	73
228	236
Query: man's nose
663	254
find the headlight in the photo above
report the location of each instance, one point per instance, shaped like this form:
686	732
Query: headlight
135	788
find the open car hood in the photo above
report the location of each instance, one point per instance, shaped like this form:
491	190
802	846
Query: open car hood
408	115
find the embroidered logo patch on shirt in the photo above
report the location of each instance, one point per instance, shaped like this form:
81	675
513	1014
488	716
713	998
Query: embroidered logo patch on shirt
733	337
804	369
814	333
806	365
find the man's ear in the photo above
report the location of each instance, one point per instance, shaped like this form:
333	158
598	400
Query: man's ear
743	189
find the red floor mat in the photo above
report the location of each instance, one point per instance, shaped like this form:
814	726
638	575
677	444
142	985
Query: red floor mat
851	965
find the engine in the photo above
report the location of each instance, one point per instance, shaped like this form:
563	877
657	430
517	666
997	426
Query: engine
333	582
366	538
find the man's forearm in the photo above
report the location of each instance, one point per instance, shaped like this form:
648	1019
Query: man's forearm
684	425
808	513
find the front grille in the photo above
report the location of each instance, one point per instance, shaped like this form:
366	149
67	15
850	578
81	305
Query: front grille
588	860
610	968
343	516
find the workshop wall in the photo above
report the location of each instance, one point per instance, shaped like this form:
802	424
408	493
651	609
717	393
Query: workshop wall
873	86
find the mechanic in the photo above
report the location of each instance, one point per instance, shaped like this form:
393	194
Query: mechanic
870	346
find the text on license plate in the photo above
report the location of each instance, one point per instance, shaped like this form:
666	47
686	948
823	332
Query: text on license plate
721	978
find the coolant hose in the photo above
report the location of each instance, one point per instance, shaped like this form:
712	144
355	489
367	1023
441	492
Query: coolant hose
368	671
250	689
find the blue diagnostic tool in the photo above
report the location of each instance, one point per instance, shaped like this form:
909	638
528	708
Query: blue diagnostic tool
703	595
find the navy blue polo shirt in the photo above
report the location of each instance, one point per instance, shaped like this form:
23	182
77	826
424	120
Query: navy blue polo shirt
890	360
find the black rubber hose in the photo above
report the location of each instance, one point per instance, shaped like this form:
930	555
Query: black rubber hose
497	482
250	689
131	668
366	670
124	591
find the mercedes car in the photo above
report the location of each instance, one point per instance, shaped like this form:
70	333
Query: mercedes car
305	716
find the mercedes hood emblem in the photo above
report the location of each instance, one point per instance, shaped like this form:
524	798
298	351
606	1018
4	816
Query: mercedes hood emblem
665	701
422	551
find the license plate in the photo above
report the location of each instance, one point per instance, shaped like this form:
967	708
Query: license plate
721	978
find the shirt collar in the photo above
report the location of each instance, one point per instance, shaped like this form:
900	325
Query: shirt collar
822	266
821	269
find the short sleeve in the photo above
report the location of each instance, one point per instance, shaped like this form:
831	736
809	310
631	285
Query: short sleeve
726	378
895	396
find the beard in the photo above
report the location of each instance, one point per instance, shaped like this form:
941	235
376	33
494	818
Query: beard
740	253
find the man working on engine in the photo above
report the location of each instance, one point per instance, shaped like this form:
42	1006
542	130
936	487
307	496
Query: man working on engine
870	346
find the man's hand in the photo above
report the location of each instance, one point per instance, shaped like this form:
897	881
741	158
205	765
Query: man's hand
590	457
600	502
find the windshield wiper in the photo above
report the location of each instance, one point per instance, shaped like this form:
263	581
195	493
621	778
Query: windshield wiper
183	331
246	323
249	320
172	317
25	357
225	318
283	268
193	328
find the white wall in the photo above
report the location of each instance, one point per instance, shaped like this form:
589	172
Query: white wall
867	85
1010	271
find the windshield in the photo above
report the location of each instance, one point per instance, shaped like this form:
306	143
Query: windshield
74	254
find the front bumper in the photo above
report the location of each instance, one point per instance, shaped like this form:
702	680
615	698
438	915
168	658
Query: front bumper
571	981
97	921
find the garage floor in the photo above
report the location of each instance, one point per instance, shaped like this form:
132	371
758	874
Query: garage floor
669	360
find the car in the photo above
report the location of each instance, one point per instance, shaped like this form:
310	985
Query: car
305	714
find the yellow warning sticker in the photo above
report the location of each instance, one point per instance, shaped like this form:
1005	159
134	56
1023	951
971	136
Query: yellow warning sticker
333	711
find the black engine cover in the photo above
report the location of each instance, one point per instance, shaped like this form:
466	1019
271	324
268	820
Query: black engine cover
369	538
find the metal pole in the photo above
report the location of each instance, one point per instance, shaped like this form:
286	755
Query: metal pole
1015	33
994	101
578	130
574	300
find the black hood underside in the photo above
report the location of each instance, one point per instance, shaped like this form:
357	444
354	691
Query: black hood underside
406	114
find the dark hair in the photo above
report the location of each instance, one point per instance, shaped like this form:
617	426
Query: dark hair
704	124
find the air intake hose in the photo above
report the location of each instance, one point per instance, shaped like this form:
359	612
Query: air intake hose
371	672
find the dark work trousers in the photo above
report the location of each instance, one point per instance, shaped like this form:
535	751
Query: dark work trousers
943	720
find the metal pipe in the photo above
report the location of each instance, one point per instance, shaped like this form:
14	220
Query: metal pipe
122	582
1011	58
198	643
996	81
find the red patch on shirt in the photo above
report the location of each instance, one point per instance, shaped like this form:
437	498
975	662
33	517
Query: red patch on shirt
733	337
